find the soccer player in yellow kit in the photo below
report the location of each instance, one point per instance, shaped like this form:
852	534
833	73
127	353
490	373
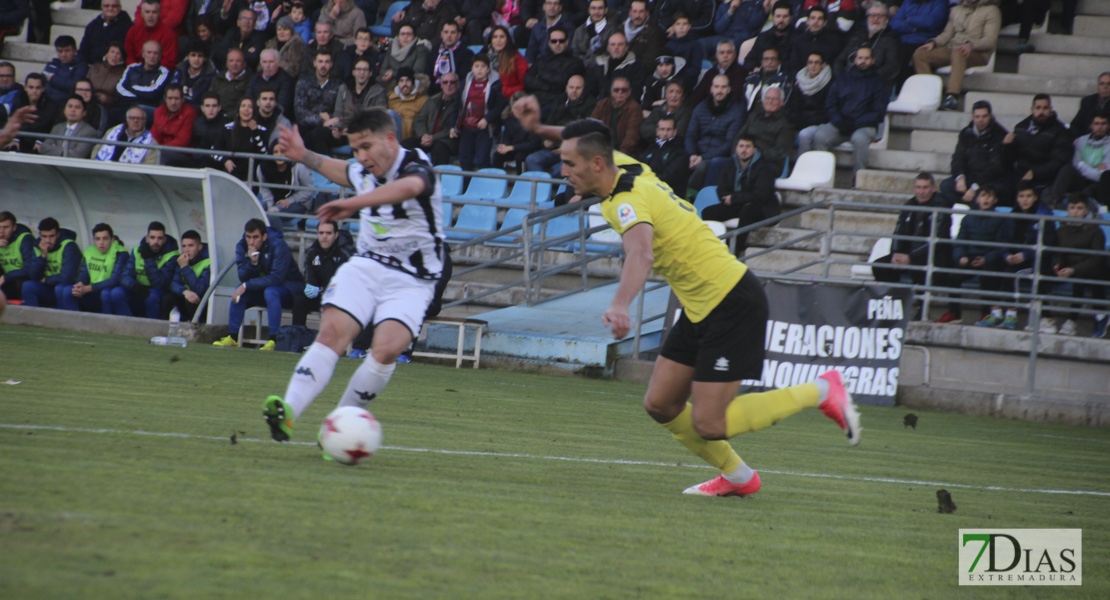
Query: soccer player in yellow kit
718	340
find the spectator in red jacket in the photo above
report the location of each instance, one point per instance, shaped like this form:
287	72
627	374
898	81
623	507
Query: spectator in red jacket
151	27
173	15
173	121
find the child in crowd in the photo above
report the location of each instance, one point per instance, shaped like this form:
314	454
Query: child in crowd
687	47
482	103
301	24
1022	258
1080	236
976	258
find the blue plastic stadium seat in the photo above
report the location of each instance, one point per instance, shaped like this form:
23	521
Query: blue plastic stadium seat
479	217
486	189
521	194
384	28
561	226
476	49
706	197
452	186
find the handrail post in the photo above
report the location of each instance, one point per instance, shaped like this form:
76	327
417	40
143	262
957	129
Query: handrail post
826	243
930	264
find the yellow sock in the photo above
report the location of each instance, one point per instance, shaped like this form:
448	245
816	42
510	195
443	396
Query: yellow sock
752	412
715	452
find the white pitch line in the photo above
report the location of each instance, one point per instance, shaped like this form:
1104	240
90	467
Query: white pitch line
607	461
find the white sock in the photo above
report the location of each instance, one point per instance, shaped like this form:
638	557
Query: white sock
741	474
822	389
368	381
310	378
997	312
1011	313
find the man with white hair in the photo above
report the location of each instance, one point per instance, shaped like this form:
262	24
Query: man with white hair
271	76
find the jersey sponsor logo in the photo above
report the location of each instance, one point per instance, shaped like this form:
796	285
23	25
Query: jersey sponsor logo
626	215
721	364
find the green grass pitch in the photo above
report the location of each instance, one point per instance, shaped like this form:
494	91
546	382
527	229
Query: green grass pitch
119	479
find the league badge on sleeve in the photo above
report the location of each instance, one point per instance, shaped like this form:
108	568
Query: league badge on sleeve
626	215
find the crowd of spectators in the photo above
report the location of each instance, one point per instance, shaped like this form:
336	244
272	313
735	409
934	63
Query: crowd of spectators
783	77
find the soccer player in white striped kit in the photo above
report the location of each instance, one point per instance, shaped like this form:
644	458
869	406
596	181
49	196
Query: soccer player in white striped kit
389	283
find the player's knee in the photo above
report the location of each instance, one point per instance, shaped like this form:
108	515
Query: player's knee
709	429
661	412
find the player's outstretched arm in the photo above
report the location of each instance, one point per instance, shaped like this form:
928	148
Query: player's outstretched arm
292	146
527	111
638	260
393	192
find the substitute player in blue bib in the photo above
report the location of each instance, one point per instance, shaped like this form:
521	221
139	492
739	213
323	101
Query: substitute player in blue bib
390	281
718	340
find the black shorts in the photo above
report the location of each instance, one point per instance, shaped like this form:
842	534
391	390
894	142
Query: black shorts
728	344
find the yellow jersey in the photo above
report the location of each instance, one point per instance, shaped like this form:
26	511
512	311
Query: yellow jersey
698	267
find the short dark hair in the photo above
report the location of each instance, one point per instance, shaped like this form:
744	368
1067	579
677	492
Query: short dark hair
325	51
482	58
174	87
449	24
1042	96
156	226
1026	184
84	106
593	139
820	9
1101	113
782	4
103	227
49	224
749	137
365	30
65	41
196	46
84	80
376	120
679	83
667	118
36	76
212	95
254	226
192	234
334	225
925	176
264	89
982	104
122	50
6	216
989	189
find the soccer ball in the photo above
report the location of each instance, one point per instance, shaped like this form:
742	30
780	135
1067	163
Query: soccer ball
350	434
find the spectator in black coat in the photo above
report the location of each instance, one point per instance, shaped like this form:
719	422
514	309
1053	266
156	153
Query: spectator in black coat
243	37
515	144
270	75
194	73
323	258
474	18
886	46
817	38
109	26
426	17
807	104
1038	147
1089	105
549	75
779	36
667	156
46	111
977	160
919	225
573	105
618	61
746	189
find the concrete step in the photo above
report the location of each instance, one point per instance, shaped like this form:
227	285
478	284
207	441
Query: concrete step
861	222
1068	65
784	260
770	236
924	140
77	17
1065	106
888	182
1092	26
1027	84
1094	7
901	160
1062	44
23	68
27	52
77	31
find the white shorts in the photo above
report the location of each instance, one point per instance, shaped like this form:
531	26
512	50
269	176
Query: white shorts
372	292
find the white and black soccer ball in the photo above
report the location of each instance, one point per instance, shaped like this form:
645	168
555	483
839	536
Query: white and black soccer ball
350	435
